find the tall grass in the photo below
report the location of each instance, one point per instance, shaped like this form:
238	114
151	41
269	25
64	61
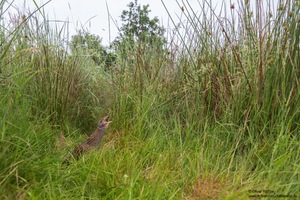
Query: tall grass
213	115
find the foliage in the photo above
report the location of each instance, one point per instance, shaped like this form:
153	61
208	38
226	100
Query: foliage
215	118
90	45
138	29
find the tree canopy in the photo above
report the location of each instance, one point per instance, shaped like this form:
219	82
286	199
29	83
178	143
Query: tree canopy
90	44
137	26
137	29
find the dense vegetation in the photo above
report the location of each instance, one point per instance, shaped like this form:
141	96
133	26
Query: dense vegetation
210	112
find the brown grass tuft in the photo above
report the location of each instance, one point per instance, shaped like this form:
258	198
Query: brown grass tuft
208	188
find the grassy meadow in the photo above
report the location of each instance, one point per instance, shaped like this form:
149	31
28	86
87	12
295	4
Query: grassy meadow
215	115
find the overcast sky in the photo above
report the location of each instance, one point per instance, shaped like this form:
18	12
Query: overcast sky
92	14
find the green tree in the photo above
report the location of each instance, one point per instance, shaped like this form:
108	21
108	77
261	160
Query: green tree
90	45
138	27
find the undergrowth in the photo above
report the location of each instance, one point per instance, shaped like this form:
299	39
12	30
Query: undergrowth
215	115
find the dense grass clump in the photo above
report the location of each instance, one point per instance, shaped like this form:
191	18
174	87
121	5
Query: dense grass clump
213	115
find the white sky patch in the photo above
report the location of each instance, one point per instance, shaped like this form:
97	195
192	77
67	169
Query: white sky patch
92	15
